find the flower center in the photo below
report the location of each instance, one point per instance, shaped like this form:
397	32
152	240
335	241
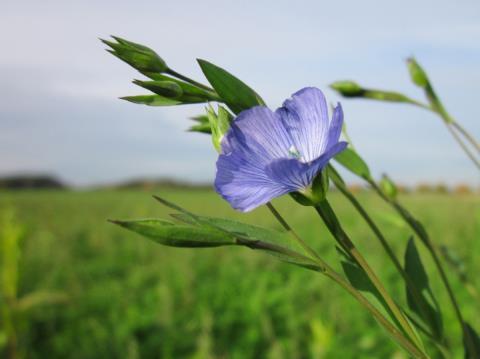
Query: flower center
292	151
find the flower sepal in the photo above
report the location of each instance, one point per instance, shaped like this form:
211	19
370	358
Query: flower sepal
316	192
219	125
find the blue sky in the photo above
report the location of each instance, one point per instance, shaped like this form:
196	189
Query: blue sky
59	111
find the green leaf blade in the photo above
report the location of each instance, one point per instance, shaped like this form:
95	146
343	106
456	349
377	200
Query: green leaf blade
350	159
236	94
170	234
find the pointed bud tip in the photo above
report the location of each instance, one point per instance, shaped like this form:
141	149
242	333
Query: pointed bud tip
116	221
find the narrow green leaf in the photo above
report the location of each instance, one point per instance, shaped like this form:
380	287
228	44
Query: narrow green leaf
151	100
202	128
350	159
169	234
358	278
238	228
236	94
157	100
416	272
200	118
473	351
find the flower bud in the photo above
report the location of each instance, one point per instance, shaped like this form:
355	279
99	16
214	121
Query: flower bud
417	74
167	89
347	88
388	187
138	56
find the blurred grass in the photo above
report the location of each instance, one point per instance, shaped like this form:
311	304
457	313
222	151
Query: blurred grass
129	297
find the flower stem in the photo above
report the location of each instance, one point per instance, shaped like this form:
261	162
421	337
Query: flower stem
289	229
467	135
187	79
411	287
425	238
329	218
462	145
336	277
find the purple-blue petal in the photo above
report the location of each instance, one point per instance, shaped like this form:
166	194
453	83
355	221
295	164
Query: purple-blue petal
305	117
296	175
258	130
242	181
335	129
267	154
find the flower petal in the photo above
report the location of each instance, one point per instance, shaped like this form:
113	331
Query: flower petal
335	128
305	117
243	183
296	175
258	130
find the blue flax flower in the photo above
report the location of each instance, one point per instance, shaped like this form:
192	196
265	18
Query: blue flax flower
266	154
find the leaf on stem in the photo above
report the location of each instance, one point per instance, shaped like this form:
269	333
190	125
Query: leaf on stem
236	94
415	270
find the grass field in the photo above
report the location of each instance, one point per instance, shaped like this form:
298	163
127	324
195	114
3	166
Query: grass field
129	298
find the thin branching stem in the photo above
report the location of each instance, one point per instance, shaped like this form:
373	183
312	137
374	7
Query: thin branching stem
432	249
463	145
467	135
331	221
335	276
411	287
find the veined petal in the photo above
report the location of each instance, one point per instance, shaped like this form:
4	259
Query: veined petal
243	183
258	130
305	117
296	175
335	128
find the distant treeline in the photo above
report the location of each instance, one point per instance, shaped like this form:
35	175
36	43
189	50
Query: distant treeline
51	182
31	182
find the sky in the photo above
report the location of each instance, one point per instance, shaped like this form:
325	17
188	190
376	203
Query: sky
59	107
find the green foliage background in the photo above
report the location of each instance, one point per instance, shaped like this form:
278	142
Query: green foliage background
129	297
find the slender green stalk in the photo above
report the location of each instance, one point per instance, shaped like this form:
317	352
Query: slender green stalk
412	288
462	145
437	107
425	238
467	135
187	79
289	229
332	274
328	216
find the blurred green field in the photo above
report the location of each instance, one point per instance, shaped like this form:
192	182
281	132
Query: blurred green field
131	298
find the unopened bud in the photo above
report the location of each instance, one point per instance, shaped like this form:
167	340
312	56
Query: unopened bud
347	88
417	74
138	56
167	89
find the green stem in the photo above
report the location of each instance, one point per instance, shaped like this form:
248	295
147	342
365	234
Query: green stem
467	135
462	145
336	277
412	288
187	79
328	216
425	238
289	229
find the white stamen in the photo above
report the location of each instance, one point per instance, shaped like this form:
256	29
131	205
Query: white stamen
294	152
